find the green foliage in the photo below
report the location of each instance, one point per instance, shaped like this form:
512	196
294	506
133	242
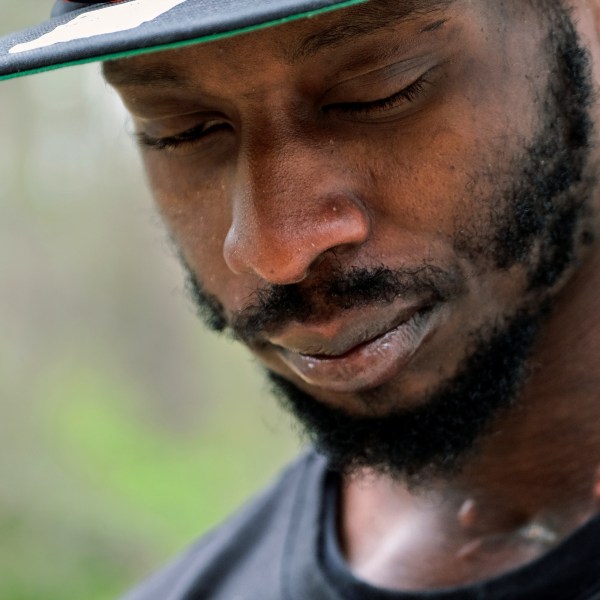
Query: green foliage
118	492
172	480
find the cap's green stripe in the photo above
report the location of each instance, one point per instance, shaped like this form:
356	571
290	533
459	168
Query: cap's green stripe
179	44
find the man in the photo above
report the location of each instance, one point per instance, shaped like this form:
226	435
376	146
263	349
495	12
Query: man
394	205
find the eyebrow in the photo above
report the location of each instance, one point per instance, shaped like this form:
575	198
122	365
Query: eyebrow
366	19
118	73
363	20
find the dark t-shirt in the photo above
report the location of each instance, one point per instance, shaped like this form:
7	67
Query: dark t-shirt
282	546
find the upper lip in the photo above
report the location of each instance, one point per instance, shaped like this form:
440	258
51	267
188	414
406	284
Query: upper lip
336	337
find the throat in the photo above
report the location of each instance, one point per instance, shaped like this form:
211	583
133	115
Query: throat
428	543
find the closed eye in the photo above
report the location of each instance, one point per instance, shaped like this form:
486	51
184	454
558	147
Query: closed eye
406	95
190	136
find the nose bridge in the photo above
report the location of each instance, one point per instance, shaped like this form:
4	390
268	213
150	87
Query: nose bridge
291	204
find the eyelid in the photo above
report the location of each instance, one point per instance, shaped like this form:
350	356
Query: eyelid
396	69
189	136
408	93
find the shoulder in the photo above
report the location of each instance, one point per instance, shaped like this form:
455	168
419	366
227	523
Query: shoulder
245	552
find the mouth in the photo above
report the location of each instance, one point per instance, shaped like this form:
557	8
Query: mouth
359	352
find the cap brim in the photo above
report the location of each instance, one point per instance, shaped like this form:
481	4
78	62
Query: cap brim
108	30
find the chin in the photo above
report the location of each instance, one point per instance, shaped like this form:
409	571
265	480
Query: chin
427	435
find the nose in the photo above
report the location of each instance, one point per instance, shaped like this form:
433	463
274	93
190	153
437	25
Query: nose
291	206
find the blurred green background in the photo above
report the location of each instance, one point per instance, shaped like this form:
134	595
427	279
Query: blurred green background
126	429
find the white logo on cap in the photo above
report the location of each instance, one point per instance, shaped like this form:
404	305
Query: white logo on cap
111	19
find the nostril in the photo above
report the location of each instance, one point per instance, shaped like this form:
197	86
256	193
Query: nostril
283	251
282	246
273	260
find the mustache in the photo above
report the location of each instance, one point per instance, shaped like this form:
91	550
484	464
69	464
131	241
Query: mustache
271	308
276	306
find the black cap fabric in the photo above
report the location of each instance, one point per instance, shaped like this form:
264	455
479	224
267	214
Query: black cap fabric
89	30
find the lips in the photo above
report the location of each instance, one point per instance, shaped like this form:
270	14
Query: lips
360	350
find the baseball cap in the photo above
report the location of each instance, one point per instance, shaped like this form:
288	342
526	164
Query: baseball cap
92	30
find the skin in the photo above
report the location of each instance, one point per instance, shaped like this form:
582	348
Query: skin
281	192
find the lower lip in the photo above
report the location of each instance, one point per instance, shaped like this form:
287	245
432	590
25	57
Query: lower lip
367	365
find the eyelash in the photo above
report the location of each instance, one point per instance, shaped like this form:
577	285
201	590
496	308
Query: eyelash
408	94
176	141
191	136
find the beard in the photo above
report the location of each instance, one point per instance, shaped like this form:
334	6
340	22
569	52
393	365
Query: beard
541	226
435	438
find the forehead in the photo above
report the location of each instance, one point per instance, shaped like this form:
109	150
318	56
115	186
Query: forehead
291	42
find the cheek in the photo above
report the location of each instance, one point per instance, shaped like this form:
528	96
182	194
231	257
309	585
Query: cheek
195	210
425	188
443	172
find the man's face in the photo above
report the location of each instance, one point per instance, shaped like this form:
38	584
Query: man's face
372	197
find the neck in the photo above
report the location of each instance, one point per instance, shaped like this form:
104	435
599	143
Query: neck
531	483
